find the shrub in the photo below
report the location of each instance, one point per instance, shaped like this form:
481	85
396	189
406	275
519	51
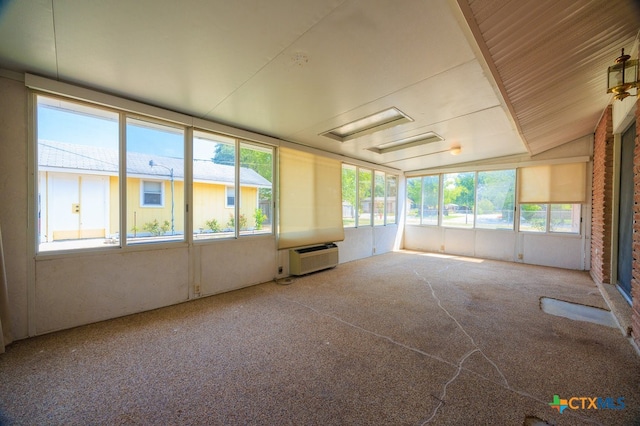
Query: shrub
260	217
155	228
214	225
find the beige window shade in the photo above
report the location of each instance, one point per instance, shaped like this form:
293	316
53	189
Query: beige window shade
310	199
556	183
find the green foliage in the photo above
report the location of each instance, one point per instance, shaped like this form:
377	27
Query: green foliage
155	228
414	192
459	189
261	161
213	225
485	206
349	185
530	214
232	222
259	217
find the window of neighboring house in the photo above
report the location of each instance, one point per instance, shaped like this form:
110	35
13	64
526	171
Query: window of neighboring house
552	218
230	197
459	199
256	189
349	205
152	193
77	152
155	150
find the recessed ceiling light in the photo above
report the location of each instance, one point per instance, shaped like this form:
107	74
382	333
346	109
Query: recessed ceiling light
411	142
369	124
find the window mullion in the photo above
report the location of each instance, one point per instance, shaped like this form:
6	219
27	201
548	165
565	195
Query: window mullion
122	177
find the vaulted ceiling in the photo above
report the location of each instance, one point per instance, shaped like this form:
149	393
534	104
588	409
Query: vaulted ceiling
493	77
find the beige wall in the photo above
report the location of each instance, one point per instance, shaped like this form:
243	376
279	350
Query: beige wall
13	198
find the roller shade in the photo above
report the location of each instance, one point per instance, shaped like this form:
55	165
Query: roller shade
310	199
555	183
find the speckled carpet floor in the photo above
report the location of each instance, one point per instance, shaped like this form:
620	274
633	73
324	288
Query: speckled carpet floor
396	339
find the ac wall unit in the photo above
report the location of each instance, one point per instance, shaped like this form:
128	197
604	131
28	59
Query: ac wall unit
311	259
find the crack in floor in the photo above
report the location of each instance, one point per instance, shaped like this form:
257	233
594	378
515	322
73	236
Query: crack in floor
458	366
464	358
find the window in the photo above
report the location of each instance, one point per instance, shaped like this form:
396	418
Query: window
430	199
215	165
349	205
155	150
379	198
414	201
152	194
256	195
361	206
365	207
459	199
214	177
230	197
77	175
496	199
552	218
391	200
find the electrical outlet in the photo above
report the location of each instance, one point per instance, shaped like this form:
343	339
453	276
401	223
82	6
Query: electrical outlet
196	289
442	248
519	256
279	269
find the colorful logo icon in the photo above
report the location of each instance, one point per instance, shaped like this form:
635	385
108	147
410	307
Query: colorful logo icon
559	404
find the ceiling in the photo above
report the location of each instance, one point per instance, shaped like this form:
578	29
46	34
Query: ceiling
493	77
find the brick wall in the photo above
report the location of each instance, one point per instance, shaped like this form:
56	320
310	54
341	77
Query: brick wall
635	274
601	199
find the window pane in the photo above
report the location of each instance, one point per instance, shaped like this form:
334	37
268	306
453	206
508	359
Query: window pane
496	192
364	197
152	193
348	196
459	199
430	199
378	199
391	203
533	217
414	200
214	159
155	152
565	218
256	171
78	168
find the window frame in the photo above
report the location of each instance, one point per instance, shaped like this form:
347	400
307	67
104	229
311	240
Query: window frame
124	113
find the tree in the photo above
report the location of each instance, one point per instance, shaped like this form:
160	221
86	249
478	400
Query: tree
255	159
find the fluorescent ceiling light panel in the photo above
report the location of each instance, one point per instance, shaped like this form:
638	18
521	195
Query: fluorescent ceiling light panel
411	142
370	124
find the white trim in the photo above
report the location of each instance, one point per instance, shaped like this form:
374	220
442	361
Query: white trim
104	99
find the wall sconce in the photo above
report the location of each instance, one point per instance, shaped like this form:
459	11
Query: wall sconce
622	76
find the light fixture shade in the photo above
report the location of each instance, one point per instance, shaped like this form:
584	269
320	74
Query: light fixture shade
369	124
622	76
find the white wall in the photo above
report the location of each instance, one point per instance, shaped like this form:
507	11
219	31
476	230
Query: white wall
50	292
562	251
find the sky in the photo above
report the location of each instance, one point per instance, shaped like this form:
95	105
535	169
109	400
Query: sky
83	129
